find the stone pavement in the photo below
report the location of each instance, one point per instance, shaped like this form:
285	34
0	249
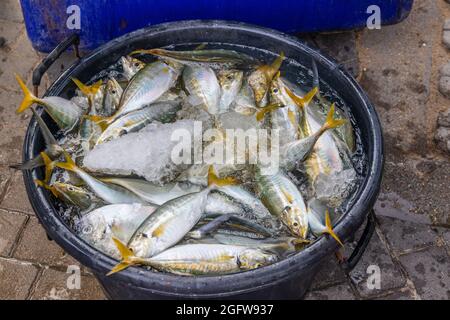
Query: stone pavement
398	66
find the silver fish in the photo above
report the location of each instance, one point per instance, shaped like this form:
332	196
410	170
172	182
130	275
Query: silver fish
203	87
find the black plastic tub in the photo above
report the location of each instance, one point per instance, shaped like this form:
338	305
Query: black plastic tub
287	279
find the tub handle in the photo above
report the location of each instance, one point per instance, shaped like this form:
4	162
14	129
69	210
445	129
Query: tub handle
38	72
362	244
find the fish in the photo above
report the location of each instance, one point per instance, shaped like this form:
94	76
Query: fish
152	193
326	157
245	100
221	219
230	83
345	132
282	246
147	86
135	120
203	88
282	198
107	192
130	66
64	112
52	148
111	97
215	58
198	259
315	220
172	220
260	79
297	151
98	226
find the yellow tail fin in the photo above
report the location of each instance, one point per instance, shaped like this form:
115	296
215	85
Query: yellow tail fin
302	102
88	91
102	122
260	114
272	70
214	180
145	51
44	185
332	123
29	98
68	165
329	228
49	166
128	258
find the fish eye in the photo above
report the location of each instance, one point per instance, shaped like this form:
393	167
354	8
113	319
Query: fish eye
144	235
136	64
275	90
113	92
295	224
70	189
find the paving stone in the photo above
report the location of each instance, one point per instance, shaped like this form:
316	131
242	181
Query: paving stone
444	117
444	86
10	31
402	294
20	60
16	197
399	86
338	292
5	175
35	246
447	24
10	225
445	70
376	255
446	38
406	235
11	10
16	279
446	236
12	127
430	272
442	138
53	286
330	273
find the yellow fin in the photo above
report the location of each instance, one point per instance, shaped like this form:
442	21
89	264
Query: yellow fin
288	196
127	257
42	184
68	165
262	112
302	102
292	118
49	166
102	122
329	228
159	231
213	179
29	98
332	123
88	91
273	69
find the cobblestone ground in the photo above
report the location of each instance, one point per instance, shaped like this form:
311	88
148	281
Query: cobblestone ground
397	65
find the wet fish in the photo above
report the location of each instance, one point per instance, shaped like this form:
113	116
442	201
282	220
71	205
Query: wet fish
245	100
203	87
172	220
297	151
282	198
108	193
260	79
230	83
111	97
64	112
135	120
216	58
319	222
130	66
199	259
115	220
155	194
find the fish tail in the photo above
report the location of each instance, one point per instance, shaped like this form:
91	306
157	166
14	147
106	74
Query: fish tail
29	98
68	165
49	166
128	258
302	102
329	228
28	165
88	90
274	68
271	107
330	122
102	122
214	180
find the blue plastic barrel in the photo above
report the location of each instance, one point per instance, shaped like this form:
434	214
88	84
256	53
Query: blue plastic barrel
49	21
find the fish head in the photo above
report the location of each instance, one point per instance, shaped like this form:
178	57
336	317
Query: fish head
293	217
227	78
131	65
255	258
113	92
143	245
76	195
